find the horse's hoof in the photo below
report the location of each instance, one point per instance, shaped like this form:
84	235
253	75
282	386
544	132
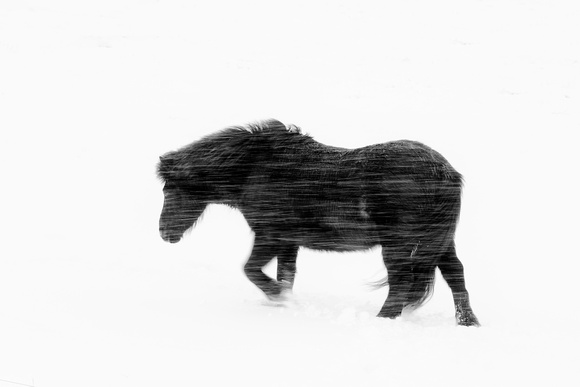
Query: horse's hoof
280	295
274	303
285	285
280	299
389	314
468	320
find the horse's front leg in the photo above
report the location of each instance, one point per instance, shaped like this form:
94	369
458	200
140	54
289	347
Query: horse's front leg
264	250
286	271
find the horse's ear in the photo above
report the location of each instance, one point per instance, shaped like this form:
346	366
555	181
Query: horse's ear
165	167
166	159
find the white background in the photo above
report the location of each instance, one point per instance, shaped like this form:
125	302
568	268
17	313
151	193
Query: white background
91	93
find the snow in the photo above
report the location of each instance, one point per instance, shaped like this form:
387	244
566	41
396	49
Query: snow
93	92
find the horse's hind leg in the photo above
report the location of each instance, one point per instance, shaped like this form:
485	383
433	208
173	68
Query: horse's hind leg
452	271
400	277
286	270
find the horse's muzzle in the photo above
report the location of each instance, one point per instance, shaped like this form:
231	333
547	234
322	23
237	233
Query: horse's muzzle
168	236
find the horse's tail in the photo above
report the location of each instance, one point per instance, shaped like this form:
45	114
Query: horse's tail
421	290
438	235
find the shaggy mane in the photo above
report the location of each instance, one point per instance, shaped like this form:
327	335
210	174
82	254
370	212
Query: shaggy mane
231	138
265	126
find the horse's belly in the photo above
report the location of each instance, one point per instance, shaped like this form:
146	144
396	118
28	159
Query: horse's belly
344	237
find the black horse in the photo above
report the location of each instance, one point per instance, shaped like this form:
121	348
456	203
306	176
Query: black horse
294	191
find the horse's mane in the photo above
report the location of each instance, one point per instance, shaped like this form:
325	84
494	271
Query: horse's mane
266	126
229	147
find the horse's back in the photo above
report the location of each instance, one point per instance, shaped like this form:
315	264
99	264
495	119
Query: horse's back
331	198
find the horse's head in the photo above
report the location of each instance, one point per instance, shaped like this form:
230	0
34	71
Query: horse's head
211	170
182	206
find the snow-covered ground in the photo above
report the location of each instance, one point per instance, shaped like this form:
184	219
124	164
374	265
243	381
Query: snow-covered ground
91	93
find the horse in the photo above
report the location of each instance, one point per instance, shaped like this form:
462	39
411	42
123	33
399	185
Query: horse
296	192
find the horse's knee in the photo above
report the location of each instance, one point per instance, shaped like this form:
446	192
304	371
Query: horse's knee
251	270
